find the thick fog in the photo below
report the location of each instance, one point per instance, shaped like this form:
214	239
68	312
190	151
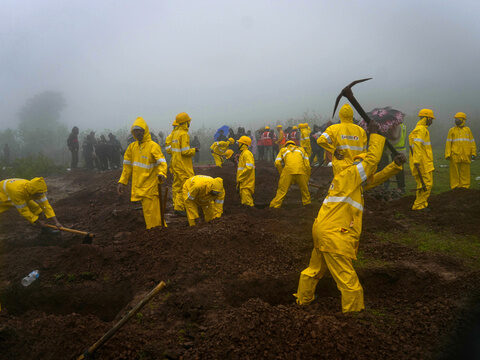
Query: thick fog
234	62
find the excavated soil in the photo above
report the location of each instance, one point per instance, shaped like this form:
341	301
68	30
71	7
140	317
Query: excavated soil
230	282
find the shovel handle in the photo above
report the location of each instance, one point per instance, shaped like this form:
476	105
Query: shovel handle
73	231
122	322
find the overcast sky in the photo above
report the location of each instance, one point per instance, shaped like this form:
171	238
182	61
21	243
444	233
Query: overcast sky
236	61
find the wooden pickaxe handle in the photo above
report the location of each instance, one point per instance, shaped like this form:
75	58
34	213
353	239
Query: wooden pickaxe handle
315	185
87	354
73	231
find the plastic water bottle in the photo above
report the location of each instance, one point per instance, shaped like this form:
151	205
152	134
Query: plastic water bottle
30	278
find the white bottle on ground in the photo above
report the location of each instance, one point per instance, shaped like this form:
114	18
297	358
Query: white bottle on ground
30	278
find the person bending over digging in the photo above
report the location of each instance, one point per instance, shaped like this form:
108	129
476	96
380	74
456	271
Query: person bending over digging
206	192
144	163
29	197
337	228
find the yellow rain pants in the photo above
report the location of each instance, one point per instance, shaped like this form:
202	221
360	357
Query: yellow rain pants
459	174
151	212
284	184
421	201
342	272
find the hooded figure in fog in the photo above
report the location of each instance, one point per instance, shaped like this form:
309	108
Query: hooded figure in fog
145	164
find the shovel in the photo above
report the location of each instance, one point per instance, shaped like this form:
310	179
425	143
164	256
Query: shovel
88	236
88	353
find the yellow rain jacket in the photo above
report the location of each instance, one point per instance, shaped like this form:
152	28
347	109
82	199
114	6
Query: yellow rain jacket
460	146
293	160
294	167
281	139
346	137
246	175
168	142
338	225
218	150
143	161
19	193
421	148
196	192
305	138
181	164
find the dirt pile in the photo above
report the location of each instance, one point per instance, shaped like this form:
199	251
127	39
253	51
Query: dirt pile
230	282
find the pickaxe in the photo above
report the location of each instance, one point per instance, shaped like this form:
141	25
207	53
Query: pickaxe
347	92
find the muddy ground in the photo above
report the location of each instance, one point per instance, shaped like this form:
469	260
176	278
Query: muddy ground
230	282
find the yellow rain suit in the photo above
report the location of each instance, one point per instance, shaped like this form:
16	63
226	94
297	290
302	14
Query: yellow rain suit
459	149
218	150
182	167
293	164
421	153
346	137
196	192
305	138
337	228
281	138
143	161
19	193
246	175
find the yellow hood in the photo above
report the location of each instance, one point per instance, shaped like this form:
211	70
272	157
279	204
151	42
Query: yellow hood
346	114
422	121
217	184
141	123
36	185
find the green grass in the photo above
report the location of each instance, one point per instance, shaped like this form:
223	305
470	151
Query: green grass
364	262
441	175
466	247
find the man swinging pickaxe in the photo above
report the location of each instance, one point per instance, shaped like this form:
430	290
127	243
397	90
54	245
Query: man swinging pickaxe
347	92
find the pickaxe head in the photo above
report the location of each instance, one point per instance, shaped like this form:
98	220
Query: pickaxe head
347	92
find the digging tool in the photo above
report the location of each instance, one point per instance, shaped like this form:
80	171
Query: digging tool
88	236
417	167
165	197
315	185
347	92
160	198
88	353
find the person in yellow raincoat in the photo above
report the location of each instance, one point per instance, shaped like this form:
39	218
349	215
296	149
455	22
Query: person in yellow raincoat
305	138
246	172
294	167
143	161
181	165
168	139
460	149
281	137
219	150
206	192
344	140
421	158
337	228
28	197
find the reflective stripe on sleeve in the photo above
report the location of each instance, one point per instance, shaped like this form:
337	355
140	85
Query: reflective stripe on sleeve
240	168
43	199
344	199
21	206
249	164
422	141
190	196
219	201
185	148
161	161
361	171
326	137
127	162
